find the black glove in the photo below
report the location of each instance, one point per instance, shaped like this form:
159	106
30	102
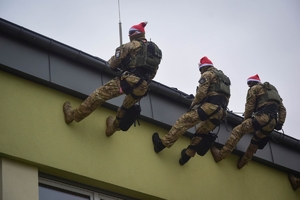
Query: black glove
278	126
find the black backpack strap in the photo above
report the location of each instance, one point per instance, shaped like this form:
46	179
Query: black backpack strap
203	116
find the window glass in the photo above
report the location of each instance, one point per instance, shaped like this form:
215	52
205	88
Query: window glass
51	193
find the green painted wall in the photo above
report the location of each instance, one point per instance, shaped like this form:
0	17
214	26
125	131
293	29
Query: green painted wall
18	181
32	130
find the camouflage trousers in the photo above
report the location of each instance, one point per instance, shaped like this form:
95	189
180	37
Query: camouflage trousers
246	127
108	91
187	121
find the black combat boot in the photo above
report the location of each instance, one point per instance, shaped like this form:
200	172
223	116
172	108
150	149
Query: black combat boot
184	157
158	145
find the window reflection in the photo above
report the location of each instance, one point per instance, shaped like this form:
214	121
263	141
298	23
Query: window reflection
51	193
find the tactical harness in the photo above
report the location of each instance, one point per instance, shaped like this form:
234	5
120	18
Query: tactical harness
222	86
271	111
146	61
128	89
270	95
218	100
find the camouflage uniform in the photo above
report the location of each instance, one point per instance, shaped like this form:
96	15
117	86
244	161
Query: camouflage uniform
192	118
266	120
113	88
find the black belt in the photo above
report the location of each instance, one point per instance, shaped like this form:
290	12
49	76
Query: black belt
270	109
217	100
140	72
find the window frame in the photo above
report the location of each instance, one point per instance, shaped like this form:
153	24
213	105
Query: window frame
93	195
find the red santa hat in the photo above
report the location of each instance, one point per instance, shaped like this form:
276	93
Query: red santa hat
205	62
139	28
254	78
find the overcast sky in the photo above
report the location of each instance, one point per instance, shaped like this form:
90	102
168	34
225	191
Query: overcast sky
241	37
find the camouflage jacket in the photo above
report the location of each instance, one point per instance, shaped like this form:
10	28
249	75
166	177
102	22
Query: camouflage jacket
130	48
207	78
251	107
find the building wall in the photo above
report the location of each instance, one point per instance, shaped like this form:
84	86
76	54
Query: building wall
33	133
48	62
18	180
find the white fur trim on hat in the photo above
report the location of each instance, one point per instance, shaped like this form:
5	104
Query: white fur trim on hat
253	80
203	65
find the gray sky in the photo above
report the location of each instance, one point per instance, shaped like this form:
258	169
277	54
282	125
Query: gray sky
241	37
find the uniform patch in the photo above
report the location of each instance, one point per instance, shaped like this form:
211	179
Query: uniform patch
117	55
202	80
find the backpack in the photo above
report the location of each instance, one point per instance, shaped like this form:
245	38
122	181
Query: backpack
271	93
149	56
130	117
223	84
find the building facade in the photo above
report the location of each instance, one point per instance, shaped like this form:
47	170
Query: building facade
42	158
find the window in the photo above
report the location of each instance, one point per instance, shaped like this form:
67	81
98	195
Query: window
51	193
54	190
